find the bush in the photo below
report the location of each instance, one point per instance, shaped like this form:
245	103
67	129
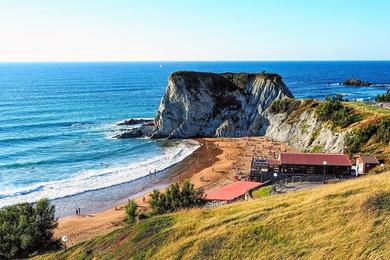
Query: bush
131	212
383	130
379	202
384	97
284	105
27	229
175	198
262	192
356	138
331	109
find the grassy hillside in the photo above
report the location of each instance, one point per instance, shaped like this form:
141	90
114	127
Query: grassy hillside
371	116
342	221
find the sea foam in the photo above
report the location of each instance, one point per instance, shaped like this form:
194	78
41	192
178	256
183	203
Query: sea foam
90	180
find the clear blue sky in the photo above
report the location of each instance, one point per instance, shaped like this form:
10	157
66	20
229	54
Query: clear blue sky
86	30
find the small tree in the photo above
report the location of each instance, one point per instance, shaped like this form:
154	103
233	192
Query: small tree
175	198
131	212
26	229
384	97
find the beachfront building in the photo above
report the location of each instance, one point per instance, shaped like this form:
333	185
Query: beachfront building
315	163
303	164
364	163
238	190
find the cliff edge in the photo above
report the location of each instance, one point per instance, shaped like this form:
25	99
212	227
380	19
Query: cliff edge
214	105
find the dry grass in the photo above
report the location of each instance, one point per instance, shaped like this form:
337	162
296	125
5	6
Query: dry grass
367	110
335	221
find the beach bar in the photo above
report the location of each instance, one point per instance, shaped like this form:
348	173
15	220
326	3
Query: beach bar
232	192
315	163
302	164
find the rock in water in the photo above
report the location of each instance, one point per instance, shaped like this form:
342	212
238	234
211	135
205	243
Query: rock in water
216	105
356	82
135	121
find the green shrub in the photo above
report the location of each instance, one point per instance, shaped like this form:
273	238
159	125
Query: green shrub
383	130
262	192
131	212
358	137
284	105
353	142
27	229
384	97
314	136
331	109
175	198
379	202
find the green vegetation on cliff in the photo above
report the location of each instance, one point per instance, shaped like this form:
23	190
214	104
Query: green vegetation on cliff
347	220
332	109
284	105
365	125
372	133
378	131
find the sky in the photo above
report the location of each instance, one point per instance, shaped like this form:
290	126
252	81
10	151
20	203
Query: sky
194	30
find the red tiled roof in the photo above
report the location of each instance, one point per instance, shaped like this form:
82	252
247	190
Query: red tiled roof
315	159
232	191
369	159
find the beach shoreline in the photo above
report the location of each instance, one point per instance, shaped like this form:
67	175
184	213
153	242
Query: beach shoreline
212	165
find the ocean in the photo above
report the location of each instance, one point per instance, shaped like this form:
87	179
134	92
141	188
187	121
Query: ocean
57	120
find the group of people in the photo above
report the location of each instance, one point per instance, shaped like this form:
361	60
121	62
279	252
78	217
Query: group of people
78	211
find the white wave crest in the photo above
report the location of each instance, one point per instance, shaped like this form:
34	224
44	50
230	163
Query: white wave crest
101	178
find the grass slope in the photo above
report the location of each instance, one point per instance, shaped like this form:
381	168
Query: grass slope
347	220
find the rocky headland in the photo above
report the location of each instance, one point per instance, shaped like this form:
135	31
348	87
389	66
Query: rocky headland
199	104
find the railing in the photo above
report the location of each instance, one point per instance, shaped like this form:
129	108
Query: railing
281	186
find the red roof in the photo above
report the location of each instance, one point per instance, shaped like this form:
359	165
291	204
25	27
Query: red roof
315	159
232	191
369	159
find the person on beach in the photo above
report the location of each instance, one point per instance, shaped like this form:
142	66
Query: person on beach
77	211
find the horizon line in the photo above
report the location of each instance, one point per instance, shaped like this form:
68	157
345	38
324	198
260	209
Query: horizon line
145	61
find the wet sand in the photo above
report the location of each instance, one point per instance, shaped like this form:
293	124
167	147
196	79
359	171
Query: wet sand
213	165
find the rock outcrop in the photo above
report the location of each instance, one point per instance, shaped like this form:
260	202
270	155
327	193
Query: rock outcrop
215	105
135	121
356	82
198	104
303	131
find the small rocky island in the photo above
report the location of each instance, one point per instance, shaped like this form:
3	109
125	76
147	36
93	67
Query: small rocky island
356	82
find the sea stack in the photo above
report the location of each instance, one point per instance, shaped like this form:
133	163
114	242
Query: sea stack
199	104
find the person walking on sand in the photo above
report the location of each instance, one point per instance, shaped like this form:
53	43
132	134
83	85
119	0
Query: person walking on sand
77	211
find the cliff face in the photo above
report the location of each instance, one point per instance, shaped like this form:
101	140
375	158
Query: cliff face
305	132
237	104
216	105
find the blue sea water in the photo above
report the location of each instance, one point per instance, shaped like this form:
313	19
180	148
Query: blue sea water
57	119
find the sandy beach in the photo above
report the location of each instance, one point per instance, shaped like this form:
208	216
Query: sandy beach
212	165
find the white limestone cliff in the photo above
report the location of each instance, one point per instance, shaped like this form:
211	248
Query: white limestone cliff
216	105
198	104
